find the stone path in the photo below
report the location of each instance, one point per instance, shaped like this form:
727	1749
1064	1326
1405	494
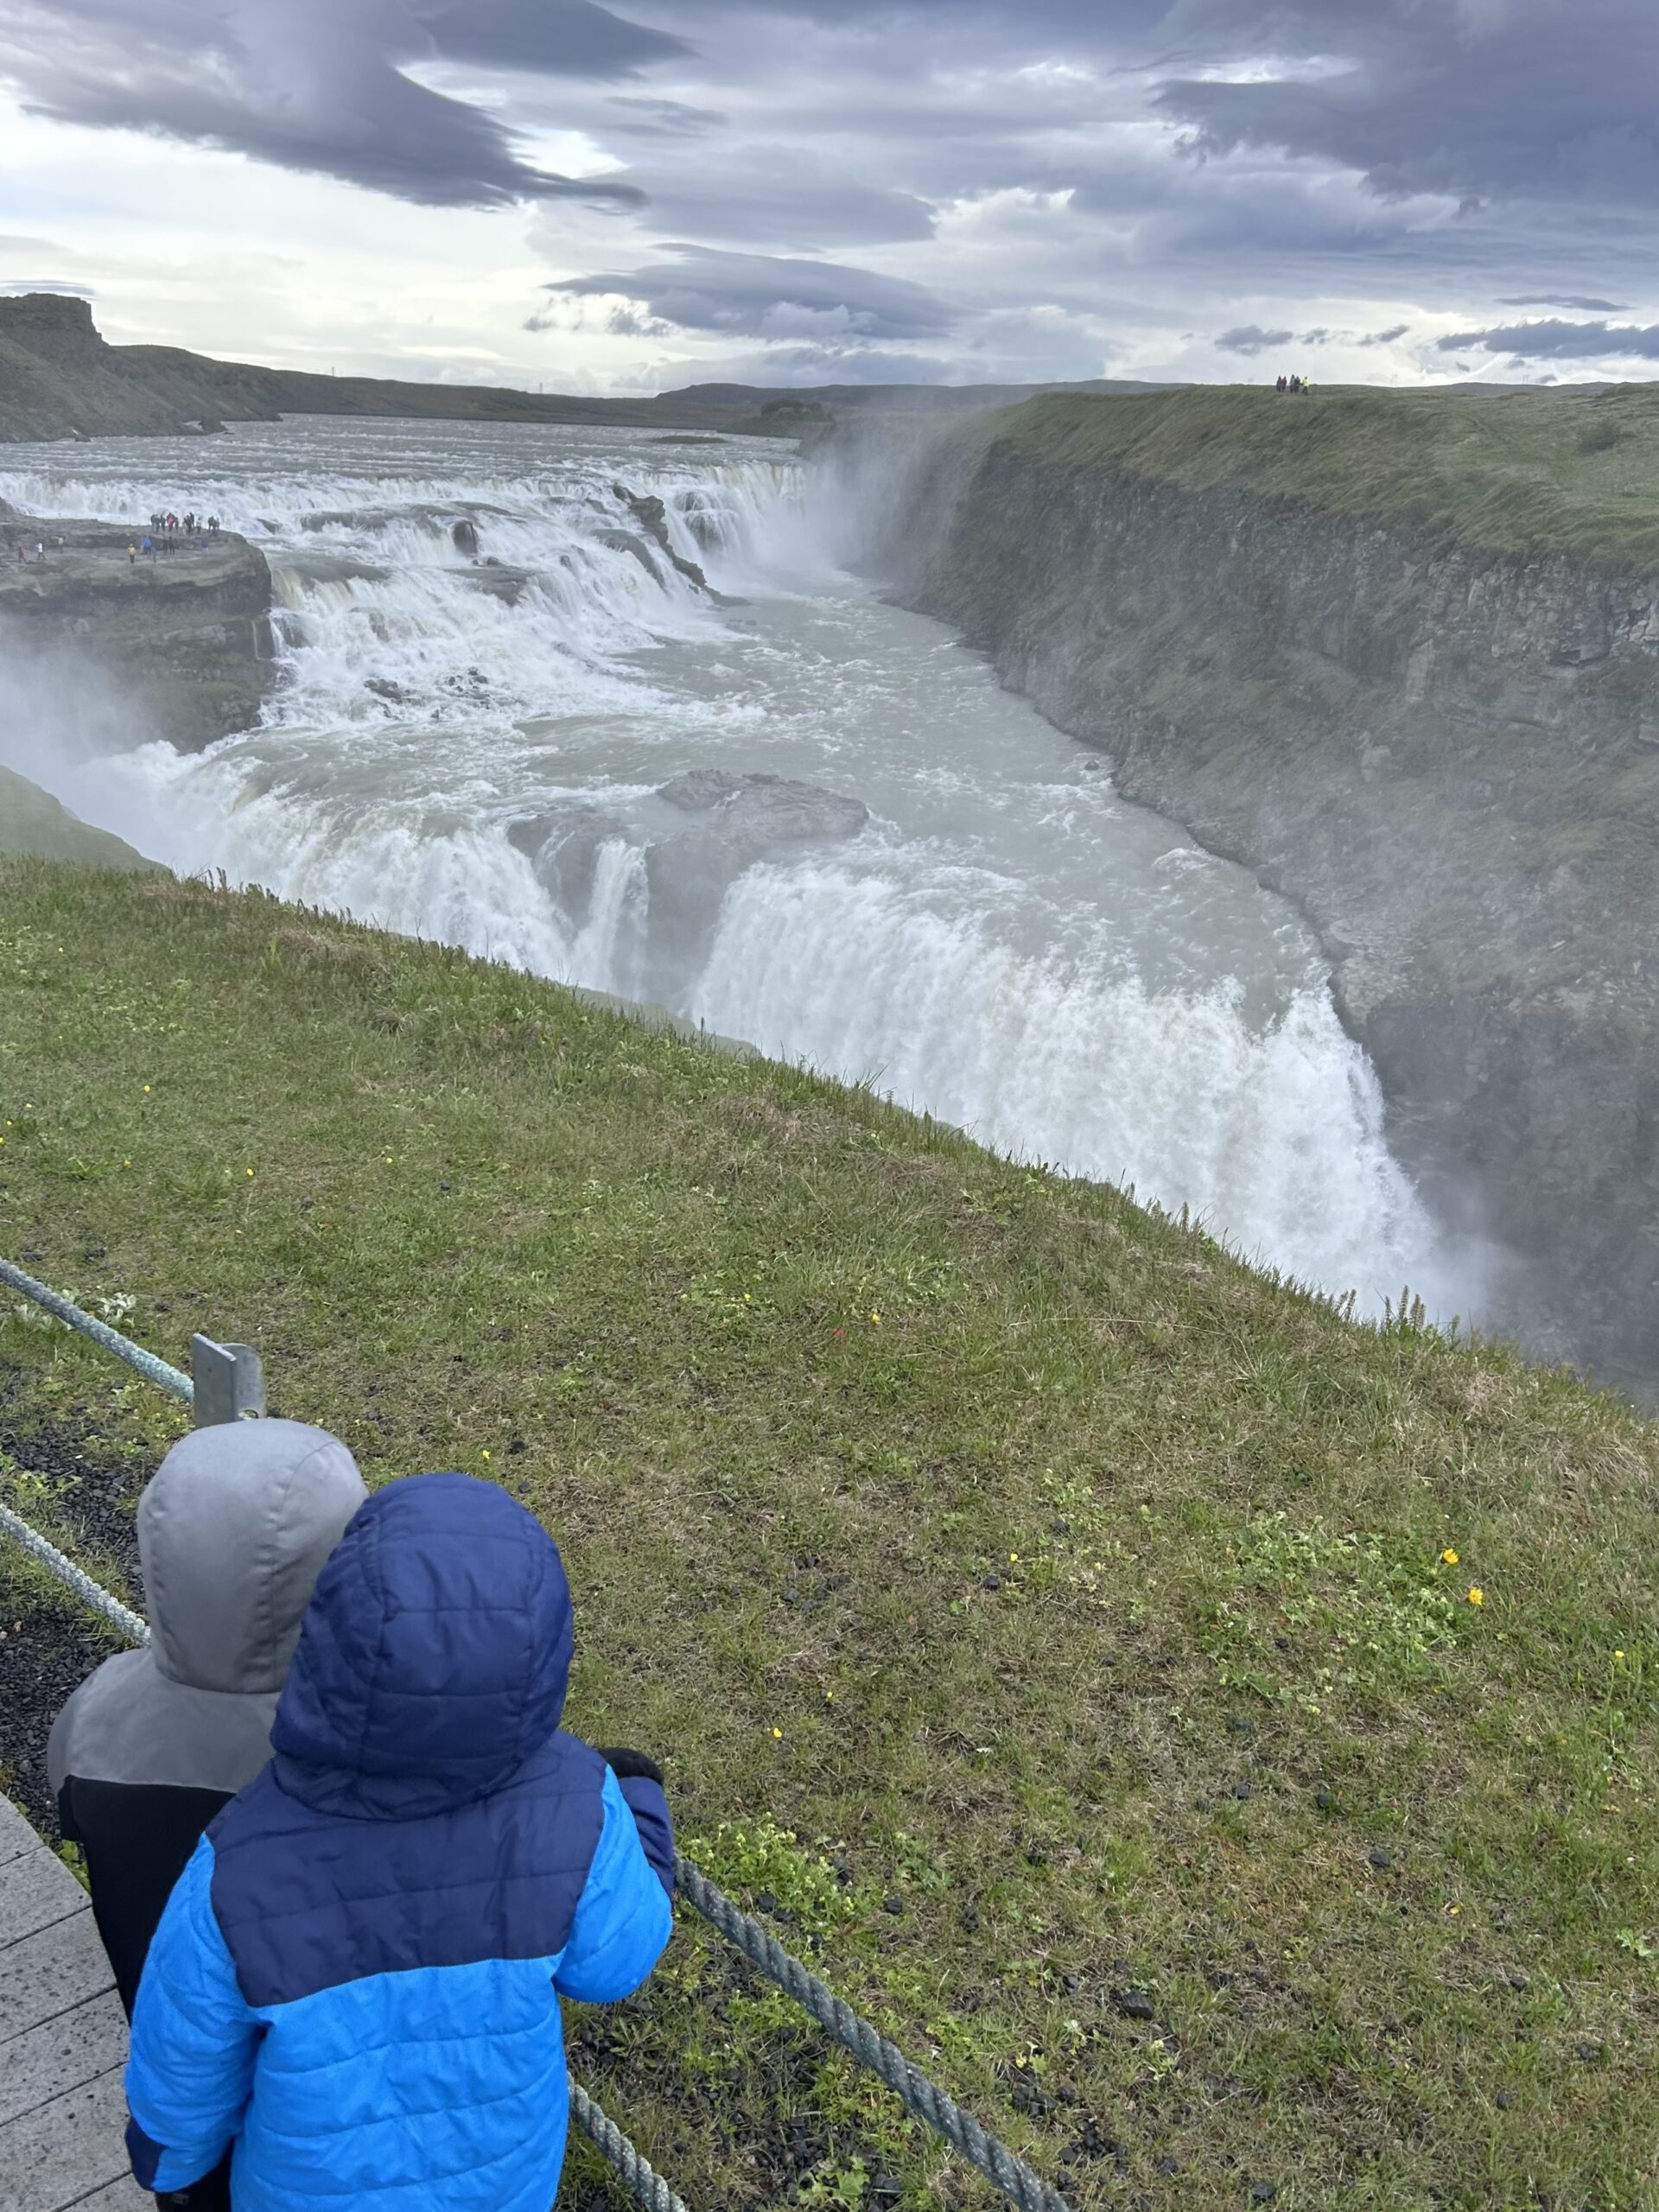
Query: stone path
63	2041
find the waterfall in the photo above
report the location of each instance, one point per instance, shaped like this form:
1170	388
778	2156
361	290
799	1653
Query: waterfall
777	805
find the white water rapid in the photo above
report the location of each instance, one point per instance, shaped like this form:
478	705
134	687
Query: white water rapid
554	750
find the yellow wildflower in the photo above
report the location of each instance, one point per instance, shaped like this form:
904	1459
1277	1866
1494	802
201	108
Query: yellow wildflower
1449	1556
1477	1595
777	1735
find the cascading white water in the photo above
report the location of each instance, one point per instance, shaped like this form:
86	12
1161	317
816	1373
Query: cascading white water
554	751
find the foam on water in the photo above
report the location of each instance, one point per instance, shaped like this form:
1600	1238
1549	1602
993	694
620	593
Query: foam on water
478	754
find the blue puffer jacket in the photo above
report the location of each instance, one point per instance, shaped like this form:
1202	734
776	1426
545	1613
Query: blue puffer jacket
357	1977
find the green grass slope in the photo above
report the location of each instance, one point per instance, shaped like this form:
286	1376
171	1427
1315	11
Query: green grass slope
1031	1603
33	825
1523	472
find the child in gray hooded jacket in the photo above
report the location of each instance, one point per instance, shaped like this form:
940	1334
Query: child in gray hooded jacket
232	1532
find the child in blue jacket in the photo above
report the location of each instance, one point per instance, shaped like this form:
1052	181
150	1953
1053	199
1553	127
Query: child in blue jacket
356	1982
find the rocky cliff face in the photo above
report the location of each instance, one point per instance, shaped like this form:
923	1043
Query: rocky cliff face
1451	760
184	639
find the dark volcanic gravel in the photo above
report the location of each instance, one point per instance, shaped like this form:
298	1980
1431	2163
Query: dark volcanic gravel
45	1653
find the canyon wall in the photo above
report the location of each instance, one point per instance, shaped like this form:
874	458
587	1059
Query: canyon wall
1447	754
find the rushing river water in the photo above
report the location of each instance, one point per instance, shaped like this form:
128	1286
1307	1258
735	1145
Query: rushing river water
551	752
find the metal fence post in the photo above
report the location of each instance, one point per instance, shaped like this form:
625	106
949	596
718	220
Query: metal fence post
230	1382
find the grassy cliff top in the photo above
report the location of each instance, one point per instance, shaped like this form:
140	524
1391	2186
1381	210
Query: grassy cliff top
1032	1605
1523	472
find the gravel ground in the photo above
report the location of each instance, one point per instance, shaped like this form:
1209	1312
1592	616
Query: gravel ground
48	1646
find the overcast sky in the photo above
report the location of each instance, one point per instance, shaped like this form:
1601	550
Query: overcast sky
805	191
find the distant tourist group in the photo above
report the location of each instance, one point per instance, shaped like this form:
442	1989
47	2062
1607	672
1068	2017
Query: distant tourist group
1293	384
167	530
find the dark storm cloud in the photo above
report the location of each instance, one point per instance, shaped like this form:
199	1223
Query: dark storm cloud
764	295
315	85
1523	98
561	37
1249	338
1557	340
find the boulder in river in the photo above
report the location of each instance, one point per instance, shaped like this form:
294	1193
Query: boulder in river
766	810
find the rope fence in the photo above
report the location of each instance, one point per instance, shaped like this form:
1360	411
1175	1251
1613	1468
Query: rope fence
930	2104
870	2047
135	1629
170	1379
641	2180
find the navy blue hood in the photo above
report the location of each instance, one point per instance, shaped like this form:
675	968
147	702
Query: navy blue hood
434	1655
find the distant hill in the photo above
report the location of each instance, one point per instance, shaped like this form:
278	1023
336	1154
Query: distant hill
59	378
896	398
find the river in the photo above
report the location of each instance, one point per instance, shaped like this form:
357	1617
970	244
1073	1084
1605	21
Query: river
552	750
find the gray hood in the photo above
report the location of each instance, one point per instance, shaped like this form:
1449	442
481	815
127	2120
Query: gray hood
232	1532
233	1528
